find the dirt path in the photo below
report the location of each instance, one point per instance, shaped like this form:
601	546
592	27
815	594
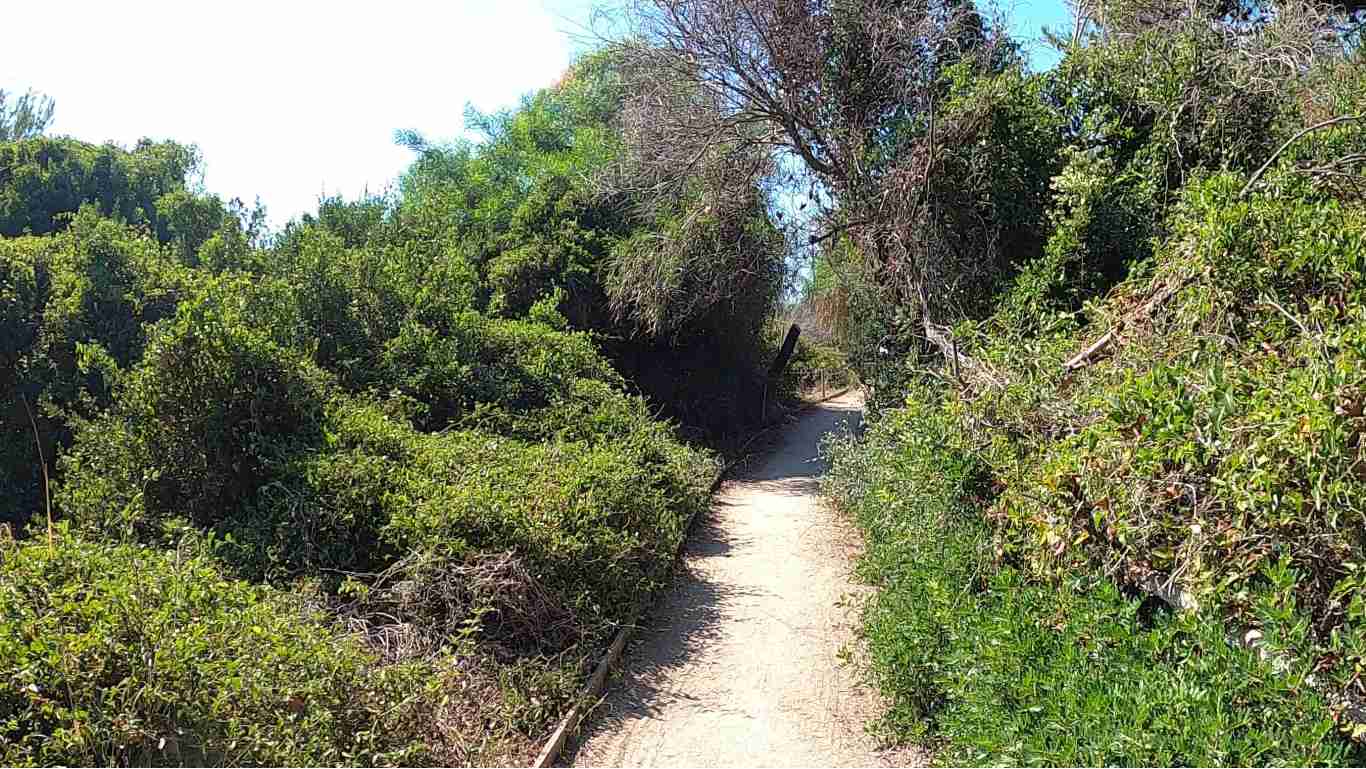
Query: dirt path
740	665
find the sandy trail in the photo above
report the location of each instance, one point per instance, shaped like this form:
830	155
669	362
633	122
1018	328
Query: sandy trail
740	664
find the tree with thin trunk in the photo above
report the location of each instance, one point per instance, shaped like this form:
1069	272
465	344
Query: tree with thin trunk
24	117
842	94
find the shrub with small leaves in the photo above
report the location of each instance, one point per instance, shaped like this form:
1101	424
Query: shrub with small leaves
121	655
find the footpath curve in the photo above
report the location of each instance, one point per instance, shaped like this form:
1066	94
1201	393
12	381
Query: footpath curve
741	662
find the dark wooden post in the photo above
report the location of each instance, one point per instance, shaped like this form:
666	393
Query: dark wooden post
785	354
779	364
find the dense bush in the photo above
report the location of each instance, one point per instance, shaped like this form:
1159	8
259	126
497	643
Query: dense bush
42	179
492	496
1237	408
118	655
1178	518
479	368
76	309
222	425
999	665
1139	460
677	288
400	443
209	415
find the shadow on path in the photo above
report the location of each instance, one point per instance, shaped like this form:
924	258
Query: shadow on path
738	663
676	629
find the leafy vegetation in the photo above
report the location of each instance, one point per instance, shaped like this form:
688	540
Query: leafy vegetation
990	663
1110	317
116	654
373	489
677	286
1108	314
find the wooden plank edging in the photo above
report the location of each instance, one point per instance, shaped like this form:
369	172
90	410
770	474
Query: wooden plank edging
590	693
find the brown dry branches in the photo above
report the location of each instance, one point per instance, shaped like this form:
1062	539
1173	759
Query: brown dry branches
1340	119
422	603
836	96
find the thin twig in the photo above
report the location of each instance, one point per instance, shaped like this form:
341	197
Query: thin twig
814	239
47	486
1084	358
1317	126
1323	348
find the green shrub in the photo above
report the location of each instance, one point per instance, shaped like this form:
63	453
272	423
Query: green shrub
416	415
209	416
76	309
351	301
1103	225
911	489
675	288
997	665
593	521
593	525
518	557
223	429
475	364
1208	458
1103	685
116	654
43	179
23	290
1222	434
561	260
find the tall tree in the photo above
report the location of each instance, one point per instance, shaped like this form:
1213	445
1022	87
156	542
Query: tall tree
849	93
24	117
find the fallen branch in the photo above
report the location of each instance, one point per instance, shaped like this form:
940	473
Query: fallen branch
1084	357
1088	355
942	338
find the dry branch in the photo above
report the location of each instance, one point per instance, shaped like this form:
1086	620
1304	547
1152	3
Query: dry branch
969	371
1082	358
1256	175
1106	340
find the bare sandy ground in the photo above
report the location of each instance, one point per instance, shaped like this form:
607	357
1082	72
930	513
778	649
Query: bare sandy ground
741	663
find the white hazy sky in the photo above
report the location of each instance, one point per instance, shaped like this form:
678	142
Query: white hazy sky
291	99
286	99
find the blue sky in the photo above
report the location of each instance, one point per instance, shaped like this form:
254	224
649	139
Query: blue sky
291	99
